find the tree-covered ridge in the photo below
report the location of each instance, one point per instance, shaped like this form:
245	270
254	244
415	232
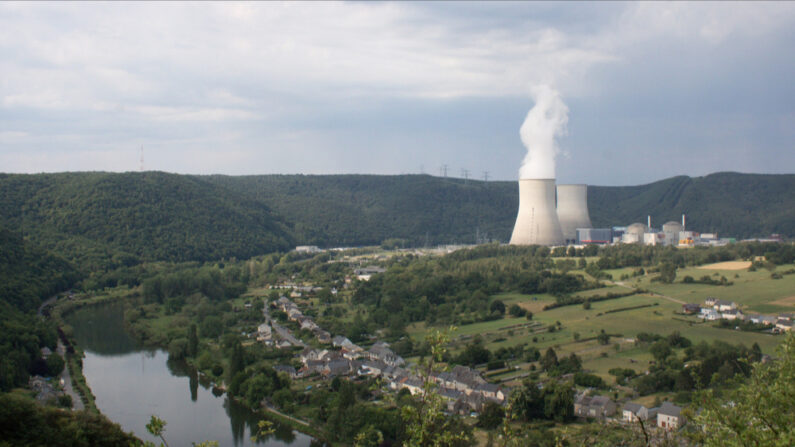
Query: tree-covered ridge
106	220
352	210
132	217
366	209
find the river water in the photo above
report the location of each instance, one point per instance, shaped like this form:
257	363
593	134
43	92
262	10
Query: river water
131	384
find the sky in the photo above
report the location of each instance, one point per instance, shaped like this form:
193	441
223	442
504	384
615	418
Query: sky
653	89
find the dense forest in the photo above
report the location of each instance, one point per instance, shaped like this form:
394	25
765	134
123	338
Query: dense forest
111	220
107	220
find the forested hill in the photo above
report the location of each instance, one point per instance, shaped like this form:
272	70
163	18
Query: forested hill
366	209
94	218
340	210
729	203
105	219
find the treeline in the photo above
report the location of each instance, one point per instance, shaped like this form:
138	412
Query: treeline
702	365
634	255
445	289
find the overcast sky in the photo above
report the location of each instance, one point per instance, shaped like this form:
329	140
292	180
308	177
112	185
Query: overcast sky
653	89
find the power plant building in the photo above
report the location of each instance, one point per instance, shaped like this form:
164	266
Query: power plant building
594	236
537	220
572	207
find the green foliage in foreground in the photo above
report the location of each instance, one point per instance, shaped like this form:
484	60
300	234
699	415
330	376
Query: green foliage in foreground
758	412
25	423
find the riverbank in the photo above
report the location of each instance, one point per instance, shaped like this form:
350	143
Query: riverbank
75	381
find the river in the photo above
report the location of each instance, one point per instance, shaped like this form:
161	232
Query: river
132	383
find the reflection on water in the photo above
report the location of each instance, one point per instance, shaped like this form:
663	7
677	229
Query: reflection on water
131	384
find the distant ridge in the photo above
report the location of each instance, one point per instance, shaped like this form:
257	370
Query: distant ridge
125	218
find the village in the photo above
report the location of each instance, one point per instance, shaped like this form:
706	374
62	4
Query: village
463	389
715	309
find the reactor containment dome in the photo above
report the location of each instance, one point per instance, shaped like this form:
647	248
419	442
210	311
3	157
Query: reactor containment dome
537	220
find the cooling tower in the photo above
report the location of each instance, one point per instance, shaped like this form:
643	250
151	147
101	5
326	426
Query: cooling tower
573	210
537	220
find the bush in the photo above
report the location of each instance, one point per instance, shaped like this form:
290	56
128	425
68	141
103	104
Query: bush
516	311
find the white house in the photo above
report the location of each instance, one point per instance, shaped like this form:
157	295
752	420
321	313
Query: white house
633	412
710	314
669	416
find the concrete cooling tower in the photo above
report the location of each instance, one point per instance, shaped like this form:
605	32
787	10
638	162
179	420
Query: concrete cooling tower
573	210
537	221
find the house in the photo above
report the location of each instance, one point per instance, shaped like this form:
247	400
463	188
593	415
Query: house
45	352
732	314
372	368
380	351
783	325
460	378
341	342
414	385
364	274
723	305
313	354
691	308
710	314
787	316
322	335
632	412
338	367
283	344
491	391
669	416
767	320
593	406
289	370
710	301
264	332
308	324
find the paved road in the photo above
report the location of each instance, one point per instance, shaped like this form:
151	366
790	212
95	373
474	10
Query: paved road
77	402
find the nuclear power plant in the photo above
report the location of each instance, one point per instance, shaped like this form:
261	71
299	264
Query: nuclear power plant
537	221
572	206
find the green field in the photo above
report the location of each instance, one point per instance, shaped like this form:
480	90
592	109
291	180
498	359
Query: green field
755	291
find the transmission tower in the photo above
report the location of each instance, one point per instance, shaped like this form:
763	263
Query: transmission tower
141	167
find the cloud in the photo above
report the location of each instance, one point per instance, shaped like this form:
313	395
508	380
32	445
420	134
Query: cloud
284	83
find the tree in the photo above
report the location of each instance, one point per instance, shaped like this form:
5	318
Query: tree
498	307
603	338
667	272
55	364
661	350
549	360
193	341
425	423
758	412
491	416
516	311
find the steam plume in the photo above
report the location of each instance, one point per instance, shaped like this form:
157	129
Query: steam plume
545	121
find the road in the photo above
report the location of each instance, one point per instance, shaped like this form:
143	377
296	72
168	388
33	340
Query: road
283	332
77	402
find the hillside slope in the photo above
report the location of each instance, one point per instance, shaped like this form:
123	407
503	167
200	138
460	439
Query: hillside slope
131	217
103	220
366	209
729	203
363	209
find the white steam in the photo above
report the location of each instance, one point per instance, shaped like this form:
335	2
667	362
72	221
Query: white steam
545	121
